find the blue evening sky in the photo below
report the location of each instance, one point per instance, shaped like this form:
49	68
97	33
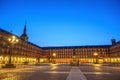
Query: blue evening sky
63	22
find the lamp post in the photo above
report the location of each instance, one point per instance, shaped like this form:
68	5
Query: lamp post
96	55
54	55
0	60
37	60
12	40
0	57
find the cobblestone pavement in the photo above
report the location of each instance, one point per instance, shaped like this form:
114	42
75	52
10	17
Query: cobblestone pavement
18	73
38	72
98	72
59	72
53	72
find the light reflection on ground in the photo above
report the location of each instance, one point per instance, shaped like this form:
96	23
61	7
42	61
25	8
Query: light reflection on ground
55	72
11	76
59	72
18	74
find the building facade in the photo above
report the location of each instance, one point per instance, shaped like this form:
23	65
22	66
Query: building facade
115	51
21	52
85	54
25	51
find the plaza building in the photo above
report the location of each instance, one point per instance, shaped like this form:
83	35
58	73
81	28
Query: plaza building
24	51
114	51
20	52
85	54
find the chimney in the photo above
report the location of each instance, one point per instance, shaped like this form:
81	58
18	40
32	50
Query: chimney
113	41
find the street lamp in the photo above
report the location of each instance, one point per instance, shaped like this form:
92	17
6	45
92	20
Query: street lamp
0	57
96	55
12	40
54	55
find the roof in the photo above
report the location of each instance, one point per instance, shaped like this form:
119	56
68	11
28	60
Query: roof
62	47
18	37
5	31
118	42
87	46
34	44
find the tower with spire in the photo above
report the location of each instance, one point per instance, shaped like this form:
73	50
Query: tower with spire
24	36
